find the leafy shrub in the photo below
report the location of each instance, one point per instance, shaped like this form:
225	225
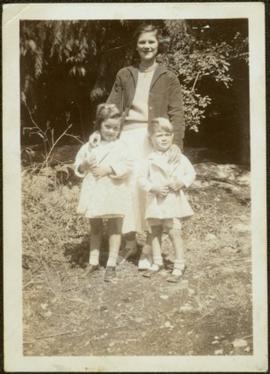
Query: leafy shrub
67	67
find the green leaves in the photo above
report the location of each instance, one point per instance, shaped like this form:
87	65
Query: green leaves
197	59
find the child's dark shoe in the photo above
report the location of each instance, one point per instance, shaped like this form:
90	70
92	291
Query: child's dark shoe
176	275
91	269
110	274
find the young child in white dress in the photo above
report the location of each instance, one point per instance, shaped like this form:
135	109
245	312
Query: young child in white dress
105	169
166	204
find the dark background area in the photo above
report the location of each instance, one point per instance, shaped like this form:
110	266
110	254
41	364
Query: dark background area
68	68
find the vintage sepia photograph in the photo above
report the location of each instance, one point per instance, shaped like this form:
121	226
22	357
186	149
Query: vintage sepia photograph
134	188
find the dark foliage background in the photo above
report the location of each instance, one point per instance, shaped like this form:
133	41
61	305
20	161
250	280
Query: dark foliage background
68	67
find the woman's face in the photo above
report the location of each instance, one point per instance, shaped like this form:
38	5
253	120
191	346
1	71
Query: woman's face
110	129
147	46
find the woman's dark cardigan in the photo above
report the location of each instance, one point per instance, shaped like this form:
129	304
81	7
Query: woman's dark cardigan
165	97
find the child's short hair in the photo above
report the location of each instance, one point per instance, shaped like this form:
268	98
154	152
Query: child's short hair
104	112
160	124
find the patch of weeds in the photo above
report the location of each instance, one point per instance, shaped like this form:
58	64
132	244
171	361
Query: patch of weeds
60	301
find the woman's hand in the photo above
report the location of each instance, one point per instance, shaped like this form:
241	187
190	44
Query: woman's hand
161	191
94	139
174	154
101	171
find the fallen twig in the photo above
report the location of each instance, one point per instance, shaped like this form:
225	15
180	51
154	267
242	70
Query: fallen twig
48	337
53	146
247	337
28	283
76	300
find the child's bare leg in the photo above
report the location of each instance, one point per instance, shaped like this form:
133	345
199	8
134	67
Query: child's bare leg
156	233
178	244
95	240
145	260
114	230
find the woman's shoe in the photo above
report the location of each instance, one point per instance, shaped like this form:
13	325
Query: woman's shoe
110	274
153	270
145	261
144	264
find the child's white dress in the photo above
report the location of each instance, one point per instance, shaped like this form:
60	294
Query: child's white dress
108	196
158	172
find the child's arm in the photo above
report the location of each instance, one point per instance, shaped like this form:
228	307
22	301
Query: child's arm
147	186
122	168
143	180
185	180
189	174
119	168
84	161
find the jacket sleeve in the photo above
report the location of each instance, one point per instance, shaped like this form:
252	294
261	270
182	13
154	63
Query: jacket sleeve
176	110
81	158
116	95
143	179
189	172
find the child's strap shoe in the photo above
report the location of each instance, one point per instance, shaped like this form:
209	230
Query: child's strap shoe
110	274
176	275
91	268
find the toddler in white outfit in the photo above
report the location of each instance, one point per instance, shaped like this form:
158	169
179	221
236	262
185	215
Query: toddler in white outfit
164	182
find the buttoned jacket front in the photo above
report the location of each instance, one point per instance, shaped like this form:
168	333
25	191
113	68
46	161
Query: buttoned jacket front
157	171
165	97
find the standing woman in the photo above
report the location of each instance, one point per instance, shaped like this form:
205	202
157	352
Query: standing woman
142	92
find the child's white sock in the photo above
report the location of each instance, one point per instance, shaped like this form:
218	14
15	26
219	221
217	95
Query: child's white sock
157	260
112	260
179	266
157	263
94	257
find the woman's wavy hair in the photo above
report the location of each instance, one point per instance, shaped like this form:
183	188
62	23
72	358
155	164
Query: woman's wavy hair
150	27
105	111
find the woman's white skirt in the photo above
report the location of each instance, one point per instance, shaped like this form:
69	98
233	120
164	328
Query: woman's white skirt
139	148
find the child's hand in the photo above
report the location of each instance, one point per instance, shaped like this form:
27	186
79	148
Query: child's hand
94	139
101	171
160	191
176	185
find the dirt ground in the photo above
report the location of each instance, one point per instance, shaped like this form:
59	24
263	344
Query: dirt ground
67	313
